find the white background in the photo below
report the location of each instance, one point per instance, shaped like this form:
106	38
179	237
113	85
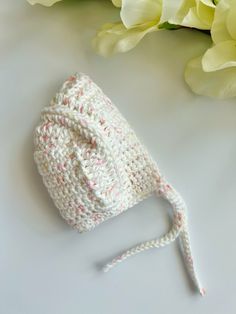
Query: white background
48	268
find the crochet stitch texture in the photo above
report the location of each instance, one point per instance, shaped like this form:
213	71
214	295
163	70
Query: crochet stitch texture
94	166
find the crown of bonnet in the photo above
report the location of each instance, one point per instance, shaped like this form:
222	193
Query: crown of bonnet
94	166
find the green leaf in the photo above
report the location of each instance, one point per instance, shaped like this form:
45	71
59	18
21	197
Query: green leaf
169	26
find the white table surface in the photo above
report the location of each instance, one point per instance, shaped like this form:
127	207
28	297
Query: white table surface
48	268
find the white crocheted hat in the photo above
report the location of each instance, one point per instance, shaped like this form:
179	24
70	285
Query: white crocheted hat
95	167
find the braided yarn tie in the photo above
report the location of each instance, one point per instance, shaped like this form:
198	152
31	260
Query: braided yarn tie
179	230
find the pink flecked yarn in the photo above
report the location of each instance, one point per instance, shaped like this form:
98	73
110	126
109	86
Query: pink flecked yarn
95	167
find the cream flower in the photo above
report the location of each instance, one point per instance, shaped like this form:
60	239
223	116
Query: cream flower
139	17
47	3
195	13
214	74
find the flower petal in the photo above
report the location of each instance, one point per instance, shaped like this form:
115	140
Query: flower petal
209	3
114	38
231	21
195	13
47	3
182	11
117	3
192	19
220	84
220	56
137	12
206	11
219	31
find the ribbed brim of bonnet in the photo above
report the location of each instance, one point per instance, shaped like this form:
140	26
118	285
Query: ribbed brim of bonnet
90	159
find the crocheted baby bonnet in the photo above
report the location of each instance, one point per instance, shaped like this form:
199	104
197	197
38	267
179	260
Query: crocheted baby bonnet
95	167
